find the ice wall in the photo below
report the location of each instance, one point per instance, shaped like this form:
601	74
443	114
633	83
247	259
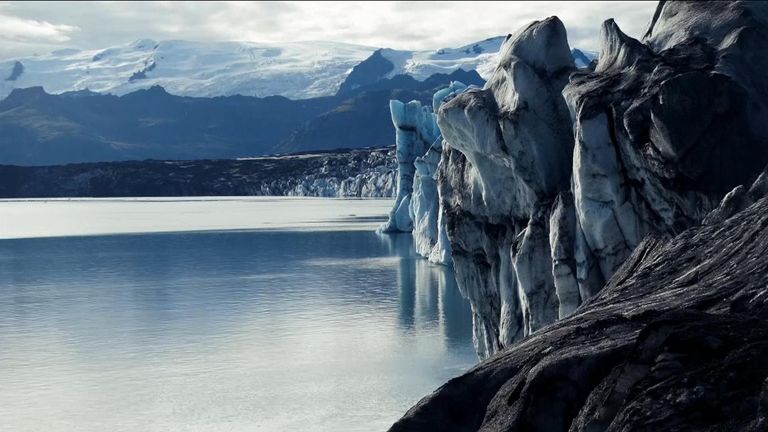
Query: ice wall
429	230
551	176
417	191
416	131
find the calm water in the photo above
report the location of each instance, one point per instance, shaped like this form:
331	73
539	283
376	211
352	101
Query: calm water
330	328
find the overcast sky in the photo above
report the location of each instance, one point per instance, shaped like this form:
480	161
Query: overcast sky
27	28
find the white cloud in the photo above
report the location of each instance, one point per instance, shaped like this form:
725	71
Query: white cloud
14	28
27	26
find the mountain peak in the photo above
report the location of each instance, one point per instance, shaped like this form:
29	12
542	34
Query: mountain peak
27	94
144	44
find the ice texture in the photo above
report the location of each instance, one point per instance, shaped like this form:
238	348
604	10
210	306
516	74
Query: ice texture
417	176
552	175
416	131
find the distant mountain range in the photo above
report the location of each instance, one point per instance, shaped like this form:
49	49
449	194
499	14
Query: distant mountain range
37	128
185	100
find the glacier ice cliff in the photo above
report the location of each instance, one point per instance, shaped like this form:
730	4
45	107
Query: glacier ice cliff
429	229
552	175
667	126
608	225
416	132
507	158
417	207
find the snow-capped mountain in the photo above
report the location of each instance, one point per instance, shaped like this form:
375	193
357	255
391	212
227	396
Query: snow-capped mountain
479	56
297	70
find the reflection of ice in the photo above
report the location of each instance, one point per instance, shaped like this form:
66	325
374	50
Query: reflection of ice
428	294
400	245
360	263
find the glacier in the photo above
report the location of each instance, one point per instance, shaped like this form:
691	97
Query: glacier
417	206
553	173
509	156
416	132
429	229
186	68
608	225
351	173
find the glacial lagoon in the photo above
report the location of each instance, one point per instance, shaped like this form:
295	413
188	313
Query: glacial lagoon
237	315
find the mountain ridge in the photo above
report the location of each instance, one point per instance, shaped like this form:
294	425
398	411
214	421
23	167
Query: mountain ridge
44	129
297	70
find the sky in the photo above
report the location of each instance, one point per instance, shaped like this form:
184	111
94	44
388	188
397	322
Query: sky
28	28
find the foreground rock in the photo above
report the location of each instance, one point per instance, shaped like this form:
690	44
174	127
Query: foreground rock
552	176
677	340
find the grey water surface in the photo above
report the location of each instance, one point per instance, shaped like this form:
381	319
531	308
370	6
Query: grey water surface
223	331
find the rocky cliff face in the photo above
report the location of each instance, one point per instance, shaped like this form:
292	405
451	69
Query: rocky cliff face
553	175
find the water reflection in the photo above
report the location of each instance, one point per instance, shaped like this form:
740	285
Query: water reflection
428	293
195	331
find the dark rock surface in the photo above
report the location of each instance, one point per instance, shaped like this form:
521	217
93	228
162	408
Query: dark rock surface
340	173
367	72
676	341
18	69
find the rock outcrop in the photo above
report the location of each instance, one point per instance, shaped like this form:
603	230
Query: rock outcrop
552	176
677	340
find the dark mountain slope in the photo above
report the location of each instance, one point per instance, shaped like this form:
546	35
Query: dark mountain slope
37	128
364	118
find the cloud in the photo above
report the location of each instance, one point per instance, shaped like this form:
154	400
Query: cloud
27	26
26	30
